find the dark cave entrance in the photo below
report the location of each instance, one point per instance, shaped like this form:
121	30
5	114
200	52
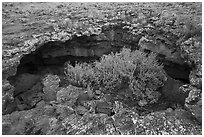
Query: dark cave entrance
176	71
38	64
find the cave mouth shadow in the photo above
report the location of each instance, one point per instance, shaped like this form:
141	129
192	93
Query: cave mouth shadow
34	63
175	70
178	71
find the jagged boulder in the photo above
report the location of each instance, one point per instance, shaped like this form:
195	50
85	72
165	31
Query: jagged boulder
154	46
69	95
51	86
63	110
196	77
8	104
20	122
193	102
124	119
30	98
162	46
192	51
81	110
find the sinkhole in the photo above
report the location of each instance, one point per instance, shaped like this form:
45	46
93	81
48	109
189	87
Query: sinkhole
50	58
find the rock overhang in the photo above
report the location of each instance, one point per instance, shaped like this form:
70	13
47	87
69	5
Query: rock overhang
108	36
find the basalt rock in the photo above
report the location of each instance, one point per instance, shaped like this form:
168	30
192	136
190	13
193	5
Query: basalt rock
70	95
81	110
51	87
166	123
104	107
193	102
30	98
191	50
8	104
25	93
195	77
170	56
64	110
61	120
156	46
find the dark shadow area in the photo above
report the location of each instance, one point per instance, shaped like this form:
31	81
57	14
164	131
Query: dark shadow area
178	72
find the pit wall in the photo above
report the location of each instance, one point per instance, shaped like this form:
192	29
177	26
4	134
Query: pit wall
53	48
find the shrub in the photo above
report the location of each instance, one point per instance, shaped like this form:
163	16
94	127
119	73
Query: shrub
140	72
114	68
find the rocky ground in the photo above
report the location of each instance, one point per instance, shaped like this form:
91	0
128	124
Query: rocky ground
38	38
